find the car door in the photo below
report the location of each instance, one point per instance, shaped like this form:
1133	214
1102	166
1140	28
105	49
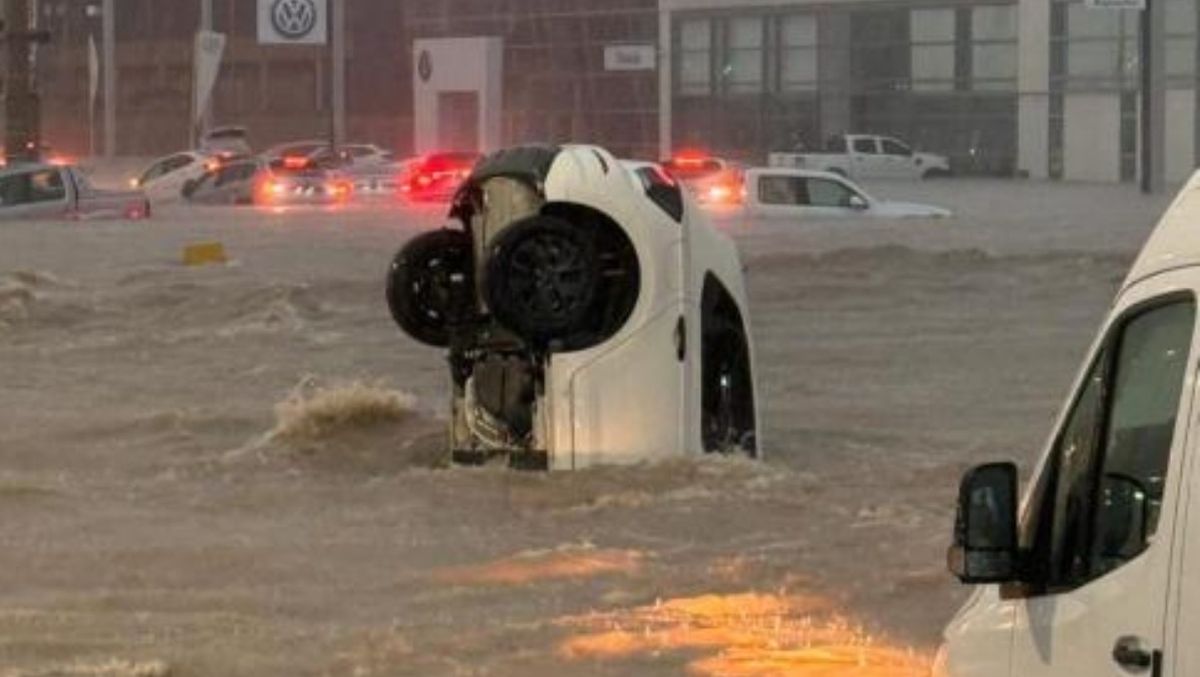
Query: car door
897	159
36	193
829	198
865	160
1184	652
174	173
1098	520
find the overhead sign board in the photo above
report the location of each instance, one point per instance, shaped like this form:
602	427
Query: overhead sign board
1115	4
630	57
292	22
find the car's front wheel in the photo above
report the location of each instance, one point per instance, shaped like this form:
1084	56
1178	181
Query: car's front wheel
542	276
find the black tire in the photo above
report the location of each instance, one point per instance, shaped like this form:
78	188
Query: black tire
541	279
727	420
431	286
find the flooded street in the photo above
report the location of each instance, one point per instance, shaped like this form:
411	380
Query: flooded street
236	469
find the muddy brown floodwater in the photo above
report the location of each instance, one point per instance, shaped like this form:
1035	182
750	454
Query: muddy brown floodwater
236	470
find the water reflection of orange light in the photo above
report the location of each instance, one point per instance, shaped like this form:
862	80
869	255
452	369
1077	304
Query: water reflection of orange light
569	562
742	635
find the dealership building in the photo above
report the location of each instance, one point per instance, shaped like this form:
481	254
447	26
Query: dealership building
1046	88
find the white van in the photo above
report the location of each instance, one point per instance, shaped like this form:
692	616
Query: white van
1099	572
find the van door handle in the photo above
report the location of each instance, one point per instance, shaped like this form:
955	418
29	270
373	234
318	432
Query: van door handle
681	339
1132	655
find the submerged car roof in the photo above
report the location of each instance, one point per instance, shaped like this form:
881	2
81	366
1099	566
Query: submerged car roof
1175	241
25	167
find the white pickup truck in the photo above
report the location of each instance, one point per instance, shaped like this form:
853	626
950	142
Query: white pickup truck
867	156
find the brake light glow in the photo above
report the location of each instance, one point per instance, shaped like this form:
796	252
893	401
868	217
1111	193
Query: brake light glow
690	158
295	162
719	193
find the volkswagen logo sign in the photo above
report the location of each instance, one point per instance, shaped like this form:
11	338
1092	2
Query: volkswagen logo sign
294	19
425	65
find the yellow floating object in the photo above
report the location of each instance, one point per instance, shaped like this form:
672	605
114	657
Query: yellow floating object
204	253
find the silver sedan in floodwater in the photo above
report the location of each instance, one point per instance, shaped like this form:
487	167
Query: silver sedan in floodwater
47	191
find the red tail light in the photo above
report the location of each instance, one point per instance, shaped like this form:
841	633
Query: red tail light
295	162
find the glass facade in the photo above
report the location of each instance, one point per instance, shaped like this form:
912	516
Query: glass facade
779	78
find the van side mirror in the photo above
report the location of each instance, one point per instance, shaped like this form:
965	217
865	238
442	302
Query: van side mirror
985	530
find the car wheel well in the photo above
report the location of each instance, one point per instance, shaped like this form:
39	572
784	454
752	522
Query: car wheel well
728	415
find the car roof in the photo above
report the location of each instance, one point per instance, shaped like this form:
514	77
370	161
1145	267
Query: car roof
26	167
798	171
1175	241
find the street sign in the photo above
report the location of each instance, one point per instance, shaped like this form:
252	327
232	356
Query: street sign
630	57
1115	4
293	22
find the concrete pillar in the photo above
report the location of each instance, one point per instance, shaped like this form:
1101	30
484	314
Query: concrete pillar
833	75
109	61
1033	88
337	29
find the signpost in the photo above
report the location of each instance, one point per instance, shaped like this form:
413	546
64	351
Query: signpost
630	57
293	22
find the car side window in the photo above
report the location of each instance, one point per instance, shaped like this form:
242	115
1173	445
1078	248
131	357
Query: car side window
156	170
827	193
1097	503
46	186
14	190
781	190
176	163
894	147
865	146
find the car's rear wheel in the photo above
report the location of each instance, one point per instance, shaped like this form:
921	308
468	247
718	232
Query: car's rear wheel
431	286
727	420
542	276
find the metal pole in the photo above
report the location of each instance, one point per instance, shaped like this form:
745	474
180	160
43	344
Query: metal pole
204	115
109	19
337	57
1153	118
1147	155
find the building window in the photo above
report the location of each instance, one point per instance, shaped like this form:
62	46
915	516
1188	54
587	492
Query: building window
1101	48
798	53
933	54
744	55
1181	41
695	57
994	47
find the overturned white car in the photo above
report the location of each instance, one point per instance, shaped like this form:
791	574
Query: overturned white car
591	313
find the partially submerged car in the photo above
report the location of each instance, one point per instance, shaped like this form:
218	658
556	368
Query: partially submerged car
867	156
802	193
255	181
231	182
164	179
591	313
438	176
713	180
45	191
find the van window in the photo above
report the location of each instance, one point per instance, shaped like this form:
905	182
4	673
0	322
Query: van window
1098	501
